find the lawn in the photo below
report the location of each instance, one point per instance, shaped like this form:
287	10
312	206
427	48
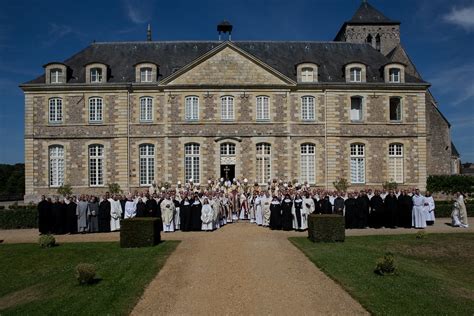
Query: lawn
435	275
42	281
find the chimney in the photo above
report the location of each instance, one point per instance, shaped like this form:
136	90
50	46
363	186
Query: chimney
148	33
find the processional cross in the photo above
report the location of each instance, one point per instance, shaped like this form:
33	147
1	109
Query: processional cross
226	170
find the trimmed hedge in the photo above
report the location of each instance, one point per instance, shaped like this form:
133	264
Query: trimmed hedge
450	184
140	232
445	209
326	228
19	218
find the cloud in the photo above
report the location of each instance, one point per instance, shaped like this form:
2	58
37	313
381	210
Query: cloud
461	17
138	12
456	82
57	32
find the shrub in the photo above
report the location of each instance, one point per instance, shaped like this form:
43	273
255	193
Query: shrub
421	234
450	184
140	232
19	218
445	209
114	188
47	241
390	185
386	265
13	206
326	228
2	207
85	273
65	190
341	185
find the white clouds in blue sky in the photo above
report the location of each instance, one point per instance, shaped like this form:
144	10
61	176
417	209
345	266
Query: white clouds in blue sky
463	17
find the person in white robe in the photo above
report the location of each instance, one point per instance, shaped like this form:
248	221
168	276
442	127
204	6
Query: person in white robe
167	214
130	208
429	209
418	210
215	212
207	215
259	209
115	213
459	214
244	207
266	201
299	214
251	211
308	208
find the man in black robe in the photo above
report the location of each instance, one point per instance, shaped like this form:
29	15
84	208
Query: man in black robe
351	210
377	215
152	207
140	208
286	214
44	216
317	205
326	206
104	214
405	206
391	210
71	216
339	204
57	217
362	210
123	201
185	214
196	206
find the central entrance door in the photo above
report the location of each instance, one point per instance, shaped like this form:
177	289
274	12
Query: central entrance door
228	172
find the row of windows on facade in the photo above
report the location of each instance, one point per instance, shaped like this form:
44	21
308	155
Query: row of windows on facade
308	75
308	107
192	163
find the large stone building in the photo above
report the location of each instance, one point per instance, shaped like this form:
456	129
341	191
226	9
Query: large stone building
136	112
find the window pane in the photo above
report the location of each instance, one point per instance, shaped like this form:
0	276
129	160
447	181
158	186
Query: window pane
356	109
395	109
307	108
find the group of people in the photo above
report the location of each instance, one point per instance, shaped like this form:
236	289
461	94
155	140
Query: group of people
279	206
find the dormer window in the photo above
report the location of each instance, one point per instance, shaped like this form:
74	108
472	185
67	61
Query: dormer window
307	73
96	75
145	74
394	75
356	74
56	75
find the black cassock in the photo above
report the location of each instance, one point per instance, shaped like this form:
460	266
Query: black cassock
151	208
298	207
339	206
326	207
286	215
44	217
141	209
391	210
185	215
362	211
104	216
196	222
377	215
57	211
275	215
317	206
405	206
351	211
72	218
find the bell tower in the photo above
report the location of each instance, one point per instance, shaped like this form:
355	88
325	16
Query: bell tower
368	25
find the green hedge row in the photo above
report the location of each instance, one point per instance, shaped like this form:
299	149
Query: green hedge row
450	184
445	210
19	218
140	232
326	228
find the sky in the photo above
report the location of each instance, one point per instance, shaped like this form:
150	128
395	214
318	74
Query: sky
438	35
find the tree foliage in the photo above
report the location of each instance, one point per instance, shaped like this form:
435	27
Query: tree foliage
450	184
12	181
341	185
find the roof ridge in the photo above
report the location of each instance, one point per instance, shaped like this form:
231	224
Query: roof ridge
220	42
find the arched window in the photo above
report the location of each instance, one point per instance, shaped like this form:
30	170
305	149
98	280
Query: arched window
308	170
96	165
307	74
357	163
307	108
56	166
146	109
227	112
395	162
263	108
147	164
355	74
145	74
263	163
96	109
356	109
395	109
96	75
191	108
227	149
192	162
55	110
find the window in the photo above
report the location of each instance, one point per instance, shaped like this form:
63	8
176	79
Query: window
96	75
378	43
56	75
95	109
56	166
307	74
356	109
357	163
307	108
263	161
146	109
191	162
368	40
263	110
227	108
192	108
55	110
308	171
394	75
355	74
395	109
145	74
96	165
147	164
395	162
228	149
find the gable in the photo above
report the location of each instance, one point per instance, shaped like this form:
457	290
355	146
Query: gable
228	66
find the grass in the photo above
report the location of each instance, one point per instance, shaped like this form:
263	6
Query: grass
42	281
435	274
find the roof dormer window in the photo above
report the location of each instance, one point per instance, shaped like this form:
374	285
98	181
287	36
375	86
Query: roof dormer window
56	75
394	75
356	74
145	74
307	72
96	75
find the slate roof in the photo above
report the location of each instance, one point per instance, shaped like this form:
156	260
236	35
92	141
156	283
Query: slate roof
367	14
282	56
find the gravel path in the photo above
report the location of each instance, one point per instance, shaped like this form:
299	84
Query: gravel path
242	269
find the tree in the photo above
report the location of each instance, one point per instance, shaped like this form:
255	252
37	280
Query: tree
114	188
341	184
65	190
